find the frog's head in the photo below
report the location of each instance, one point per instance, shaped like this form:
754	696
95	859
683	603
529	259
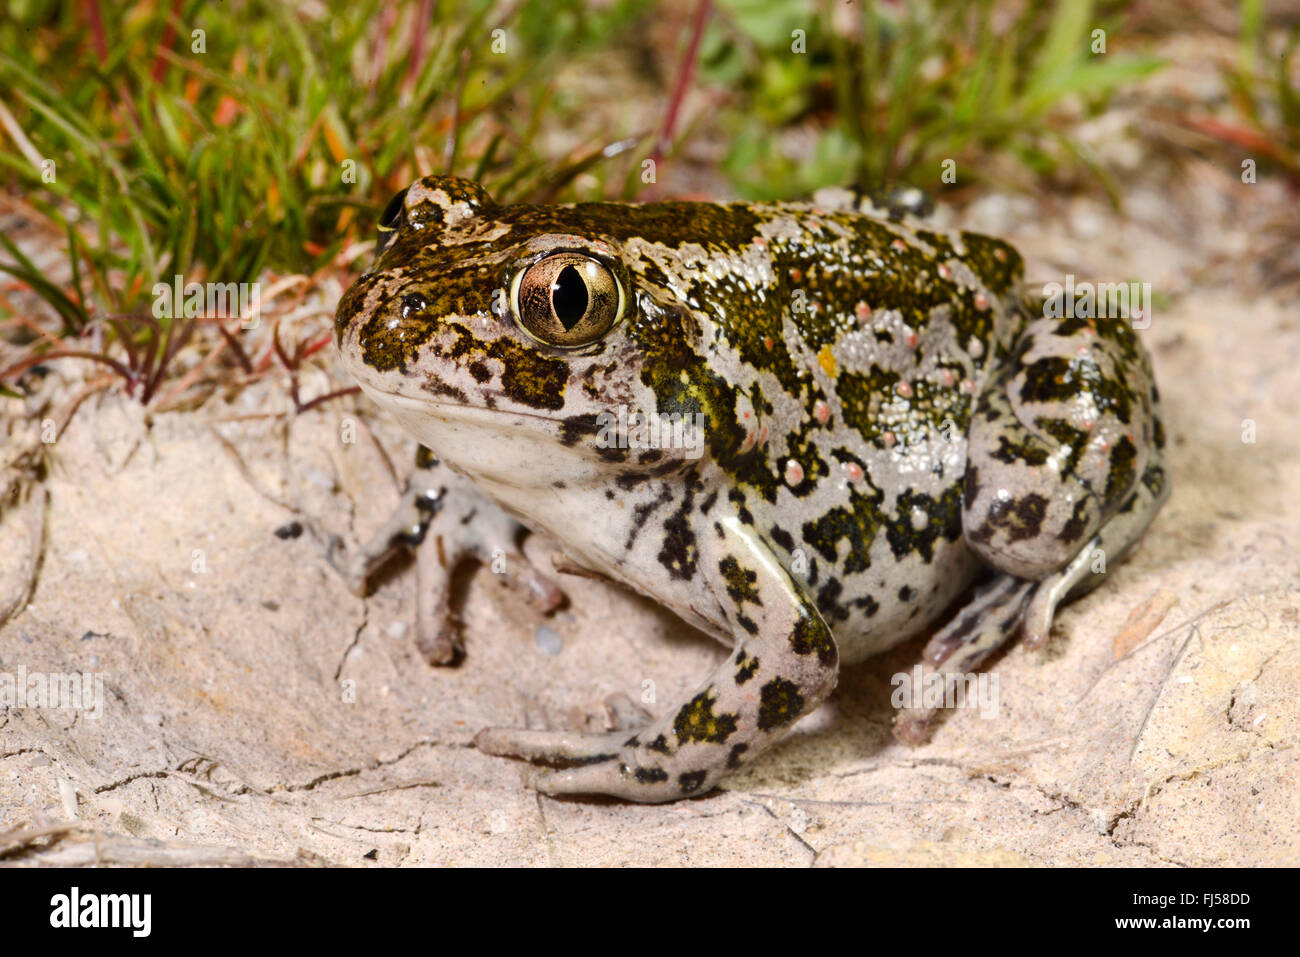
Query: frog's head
509	339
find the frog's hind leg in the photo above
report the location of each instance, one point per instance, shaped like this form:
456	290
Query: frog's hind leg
444	520
1005	606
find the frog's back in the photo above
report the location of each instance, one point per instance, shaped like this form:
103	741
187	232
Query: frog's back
852	347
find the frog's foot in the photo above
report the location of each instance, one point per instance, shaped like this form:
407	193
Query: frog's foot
992	619
445	520
785	664
1006	607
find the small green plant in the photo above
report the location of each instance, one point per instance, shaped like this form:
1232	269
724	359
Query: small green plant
880	94
1266	96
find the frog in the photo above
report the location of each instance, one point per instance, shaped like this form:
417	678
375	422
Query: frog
812	430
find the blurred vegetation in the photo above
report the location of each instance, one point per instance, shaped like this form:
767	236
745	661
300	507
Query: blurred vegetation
908	86
229	158
1266	95
221	141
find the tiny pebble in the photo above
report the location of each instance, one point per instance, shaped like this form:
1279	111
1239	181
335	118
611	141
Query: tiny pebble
549	640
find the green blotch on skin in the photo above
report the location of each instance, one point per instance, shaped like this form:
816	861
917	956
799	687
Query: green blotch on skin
530	378
698	722
857	525
1123	470
943	520
999	271
739	582
811	636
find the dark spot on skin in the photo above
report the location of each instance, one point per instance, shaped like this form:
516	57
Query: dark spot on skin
828	600
707	505
642	512
857	525
698	722
424	458
577	427
737	497
744	621
1018	518
690	781
746	668
780	703
438	387
739	582
660	744
678	553
1027	449
907	593
943	521
529	377
479	371
1073	530
782	538
591	759
1075	440
1059	379
970	485
650	775
733	758
1154	479
292	530
867	603
811	636
1123	470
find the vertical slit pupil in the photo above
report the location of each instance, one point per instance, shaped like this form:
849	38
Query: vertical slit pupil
569	297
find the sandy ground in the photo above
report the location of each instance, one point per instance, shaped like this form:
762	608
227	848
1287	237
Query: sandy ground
255	711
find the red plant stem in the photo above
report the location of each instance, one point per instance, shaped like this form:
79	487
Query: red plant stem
169	37
683	79
419	37
321	399
96	23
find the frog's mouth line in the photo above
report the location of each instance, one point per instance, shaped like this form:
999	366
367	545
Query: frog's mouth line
457	410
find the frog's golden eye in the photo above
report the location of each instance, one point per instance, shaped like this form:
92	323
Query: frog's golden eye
567	300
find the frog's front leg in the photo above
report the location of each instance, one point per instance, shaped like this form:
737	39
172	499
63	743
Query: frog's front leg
784	665
444	519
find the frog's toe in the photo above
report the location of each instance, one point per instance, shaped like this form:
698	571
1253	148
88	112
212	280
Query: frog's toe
550	747
522	575
602	778
993	617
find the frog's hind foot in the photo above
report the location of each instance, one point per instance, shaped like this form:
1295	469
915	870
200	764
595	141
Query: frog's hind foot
992	619
445	520
1005	607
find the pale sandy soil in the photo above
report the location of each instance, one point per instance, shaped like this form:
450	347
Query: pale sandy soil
1157	727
